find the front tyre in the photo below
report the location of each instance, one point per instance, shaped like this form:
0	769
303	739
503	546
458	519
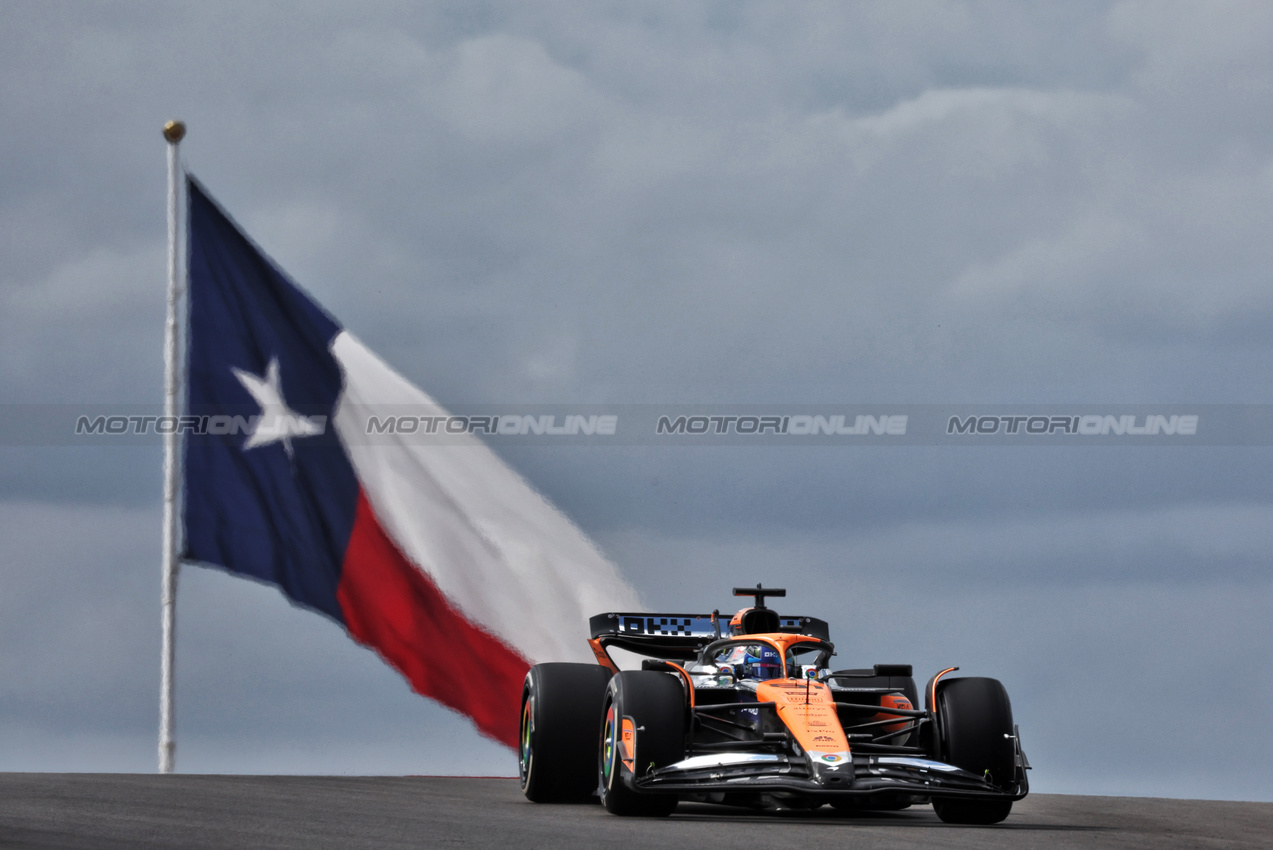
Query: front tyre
653	704
975	733
559	730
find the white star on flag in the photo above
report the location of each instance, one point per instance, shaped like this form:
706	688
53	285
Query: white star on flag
277	423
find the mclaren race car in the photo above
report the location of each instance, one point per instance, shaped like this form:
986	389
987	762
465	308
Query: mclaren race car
748	712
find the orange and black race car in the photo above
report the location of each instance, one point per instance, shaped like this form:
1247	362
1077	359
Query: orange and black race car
749	713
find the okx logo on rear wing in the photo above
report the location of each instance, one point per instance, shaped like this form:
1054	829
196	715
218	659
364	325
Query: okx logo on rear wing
681	635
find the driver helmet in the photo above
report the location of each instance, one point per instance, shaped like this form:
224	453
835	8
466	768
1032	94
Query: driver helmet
762	662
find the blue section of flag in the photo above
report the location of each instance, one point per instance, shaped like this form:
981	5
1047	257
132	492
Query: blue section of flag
280	511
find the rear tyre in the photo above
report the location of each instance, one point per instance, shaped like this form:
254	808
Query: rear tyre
655	703
975	733
559	731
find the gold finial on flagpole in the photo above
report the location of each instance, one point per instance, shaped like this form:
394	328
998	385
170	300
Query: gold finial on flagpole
174	131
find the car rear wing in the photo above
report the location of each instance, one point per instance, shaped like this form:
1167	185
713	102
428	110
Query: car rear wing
681	635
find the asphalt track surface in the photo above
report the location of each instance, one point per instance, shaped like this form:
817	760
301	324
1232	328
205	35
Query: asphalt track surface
114	810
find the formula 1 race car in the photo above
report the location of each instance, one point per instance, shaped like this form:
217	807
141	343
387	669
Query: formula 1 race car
748	713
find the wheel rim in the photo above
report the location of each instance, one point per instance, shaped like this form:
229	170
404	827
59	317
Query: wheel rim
609	746
525	753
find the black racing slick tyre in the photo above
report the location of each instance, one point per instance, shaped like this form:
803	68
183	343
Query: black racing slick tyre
974	720
557	753
655	704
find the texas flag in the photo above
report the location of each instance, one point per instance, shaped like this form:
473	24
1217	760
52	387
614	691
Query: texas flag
439	557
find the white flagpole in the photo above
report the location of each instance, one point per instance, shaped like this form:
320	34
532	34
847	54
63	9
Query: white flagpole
174	131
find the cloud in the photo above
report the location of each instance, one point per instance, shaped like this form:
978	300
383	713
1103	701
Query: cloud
87	329
76	582
501	89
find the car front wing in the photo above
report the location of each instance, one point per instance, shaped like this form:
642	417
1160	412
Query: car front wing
862	776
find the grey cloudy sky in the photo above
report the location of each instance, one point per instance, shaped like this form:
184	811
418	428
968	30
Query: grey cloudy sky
729	202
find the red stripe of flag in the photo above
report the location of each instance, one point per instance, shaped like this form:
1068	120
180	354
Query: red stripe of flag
394	608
